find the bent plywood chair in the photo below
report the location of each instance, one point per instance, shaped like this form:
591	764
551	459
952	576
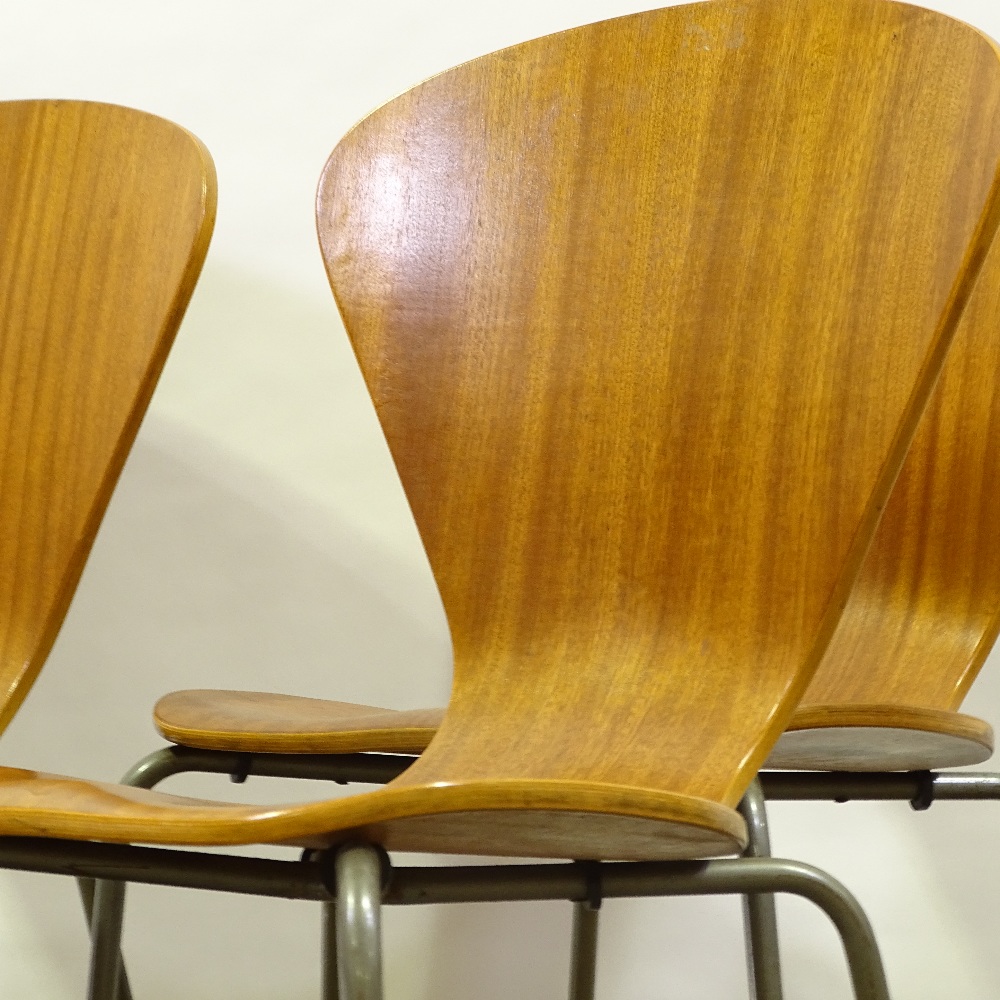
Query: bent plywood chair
917	627
648	331
106	217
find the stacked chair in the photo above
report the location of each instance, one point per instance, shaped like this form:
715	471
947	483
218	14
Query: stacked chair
649	311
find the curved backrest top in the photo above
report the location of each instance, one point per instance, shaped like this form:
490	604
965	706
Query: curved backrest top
105	218
648	310
925	610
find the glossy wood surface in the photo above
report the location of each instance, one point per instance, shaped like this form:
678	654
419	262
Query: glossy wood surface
258	722
887	737
649	311
538	819
925	611
105	217
917	627
643	322
926	608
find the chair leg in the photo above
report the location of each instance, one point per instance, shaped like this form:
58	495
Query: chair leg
583	956
104	902
760	920
331	985
620	879
105	940
86	887
359	921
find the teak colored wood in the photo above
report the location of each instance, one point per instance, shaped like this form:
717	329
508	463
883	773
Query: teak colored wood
918	624
649	311
257	722
925	611
105	217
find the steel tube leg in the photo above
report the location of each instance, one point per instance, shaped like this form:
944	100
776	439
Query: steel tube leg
104	903
105	939
331	986
86	887
359	921
760	922
583	958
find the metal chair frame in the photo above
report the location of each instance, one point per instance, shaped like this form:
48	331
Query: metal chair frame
763	963
352	881
920	788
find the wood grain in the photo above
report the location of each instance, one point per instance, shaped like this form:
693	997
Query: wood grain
926	608
515	818
649	311
916	630
882	737
106	216
257	722
648	328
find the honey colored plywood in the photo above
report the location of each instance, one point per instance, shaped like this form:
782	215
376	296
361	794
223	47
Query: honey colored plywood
925	611
106	216
256	722
884	737
555	819
644	319
917	627
649	311
926	608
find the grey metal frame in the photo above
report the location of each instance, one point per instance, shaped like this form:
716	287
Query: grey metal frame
763	958
760	921
920	788
107	969
359	881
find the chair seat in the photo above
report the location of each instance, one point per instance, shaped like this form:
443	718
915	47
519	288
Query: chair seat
514	817
880	738
256	722
818	738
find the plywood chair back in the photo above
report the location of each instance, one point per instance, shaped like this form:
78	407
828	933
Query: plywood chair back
105	217
925	611
649	310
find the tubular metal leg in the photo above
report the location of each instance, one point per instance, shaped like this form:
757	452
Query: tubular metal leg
86	887
105	940
331	986
620	879
583	958
359	921
760	920
108	978
163	763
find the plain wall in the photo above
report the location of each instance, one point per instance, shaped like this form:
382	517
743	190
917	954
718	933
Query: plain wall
259	540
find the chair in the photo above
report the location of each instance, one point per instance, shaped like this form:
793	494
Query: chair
591	338
916	629
107	214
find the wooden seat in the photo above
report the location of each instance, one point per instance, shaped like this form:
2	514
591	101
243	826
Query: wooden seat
649	311
257	722
916	630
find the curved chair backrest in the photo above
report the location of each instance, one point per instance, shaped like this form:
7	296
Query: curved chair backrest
106	216
649	310
925	611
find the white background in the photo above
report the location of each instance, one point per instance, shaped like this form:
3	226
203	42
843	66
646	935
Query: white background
258	539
